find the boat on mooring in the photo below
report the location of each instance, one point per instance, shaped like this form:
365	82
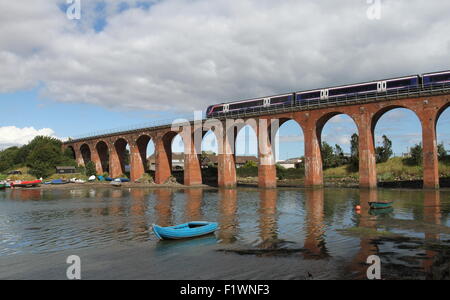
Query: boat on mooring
186	230
380	205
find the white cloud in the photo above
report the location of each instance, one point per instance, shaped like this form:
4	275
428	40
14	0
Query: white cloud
13	136
183	55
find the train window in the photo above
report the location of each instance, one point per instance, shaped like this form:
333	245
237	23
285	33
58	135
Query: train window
218	109
438	78
353	90
278	100
246	105
312	95
400	83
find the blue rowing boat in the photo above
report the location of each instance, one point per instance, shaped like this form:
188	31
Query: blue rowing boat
59	181
380	205
183	231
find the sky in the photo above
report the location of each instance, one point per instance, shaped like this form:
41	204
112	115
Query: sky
130	62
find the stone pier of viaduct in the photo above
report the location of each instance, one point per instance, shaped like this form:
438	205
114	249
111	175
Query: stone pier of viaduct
108	151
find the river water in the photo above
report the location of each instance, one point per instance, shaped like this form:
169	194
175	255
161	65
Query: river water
263	234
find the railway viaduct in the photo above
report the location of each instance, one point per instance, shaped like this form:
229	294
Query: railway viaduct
109	149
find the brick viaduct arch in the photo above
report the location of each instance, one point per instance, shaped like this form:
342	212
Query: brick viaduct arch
365	116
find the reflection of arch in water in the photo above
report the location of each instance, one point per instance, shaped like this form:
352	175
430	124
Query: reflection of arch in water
26	194
138	207
315	227
432	215
163	207
268	218
193	210
117	209
228	216
366	246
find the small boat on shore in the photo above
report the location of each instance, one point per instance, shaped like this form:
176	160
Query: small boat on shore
116	183
183	231
25	184
2	186
78	181
59	182
380	205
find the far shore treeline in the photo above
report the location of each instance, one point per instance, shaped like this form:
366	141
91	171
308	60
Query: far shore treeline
40	157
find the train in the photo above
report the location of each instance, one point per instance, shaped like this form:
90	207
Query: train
336	93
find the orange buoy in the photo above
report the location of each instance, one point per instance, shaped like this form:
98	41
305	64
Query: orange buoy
358	207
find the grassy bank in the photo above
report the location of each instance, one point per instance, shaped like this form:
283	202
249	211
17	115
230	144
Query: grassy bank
395	169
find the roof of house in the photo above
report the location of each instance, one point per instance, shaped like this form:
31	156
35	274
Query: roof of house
65	168
291	161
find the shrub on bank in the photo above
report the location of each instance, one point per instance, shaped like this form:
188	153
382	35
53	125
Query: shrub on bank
247	171
146	178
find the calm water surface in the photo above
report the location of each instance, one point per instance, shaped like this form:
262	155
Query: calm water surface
273	226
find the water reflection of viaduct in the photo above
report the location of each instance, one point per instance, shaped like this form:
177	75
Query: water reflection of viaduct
367	247
108	152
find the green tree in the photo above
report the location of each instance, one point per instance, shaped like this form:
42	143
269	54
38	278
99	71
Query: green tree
328	158
339	156
354	150
42	155
43	159
250	164
281	172
416	155
9	158
90	169
384	152
442	153
69	153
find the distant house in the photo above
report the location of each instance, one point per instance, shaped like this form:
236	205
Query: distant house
292	163
66	170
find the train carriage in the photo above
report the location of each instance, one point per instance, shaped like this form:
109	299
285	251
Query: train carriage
343	92
245	105
436	78
335	94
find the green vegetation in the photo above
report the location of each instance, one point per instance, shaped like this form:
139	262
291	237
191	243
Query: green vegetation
332	157
250	169
38	158
383	153
90	169
416	155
